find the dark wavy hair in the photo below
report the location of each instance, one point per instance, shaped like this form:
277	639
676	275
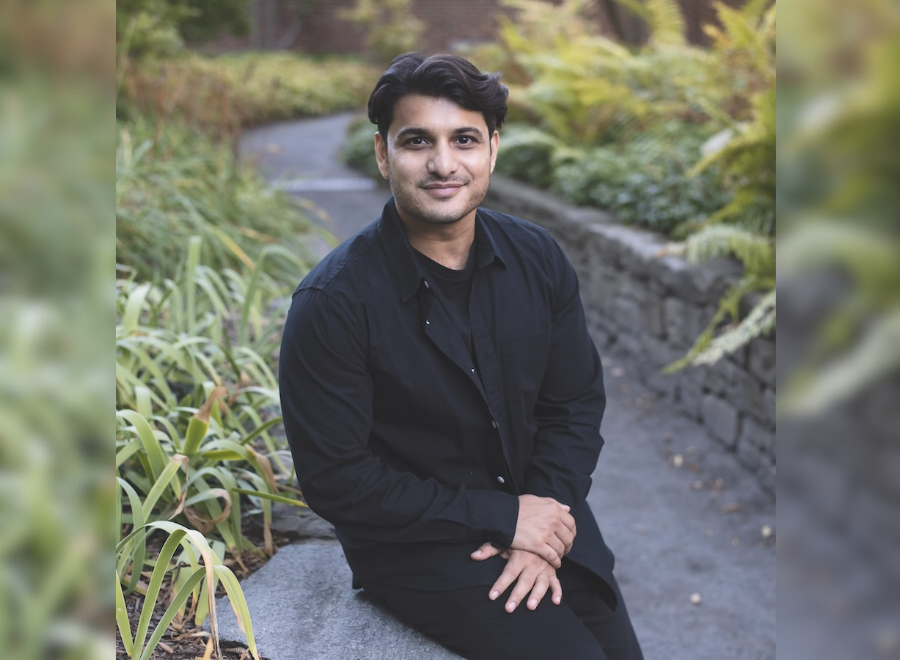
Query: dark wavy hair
444	76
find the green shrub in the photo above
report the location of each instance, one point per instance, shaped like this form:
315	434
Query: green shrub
527	153
221	94
176	184
277	86
358	149
646	181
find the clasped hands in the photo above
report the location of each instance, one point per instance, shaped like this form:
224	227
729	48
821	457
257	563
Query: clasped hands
545	531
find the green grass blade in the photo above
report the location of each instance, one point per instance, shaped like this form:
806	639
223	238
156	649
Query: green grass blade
176	606
239	605
122	621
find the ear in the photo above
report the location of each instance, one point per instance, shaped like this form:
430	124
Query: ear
381	155
495	147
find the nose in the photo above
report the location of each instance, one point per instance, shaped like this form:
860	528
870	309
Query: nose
443	161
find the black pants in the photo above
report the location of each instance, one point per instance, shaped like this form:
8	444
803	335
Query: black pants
581	627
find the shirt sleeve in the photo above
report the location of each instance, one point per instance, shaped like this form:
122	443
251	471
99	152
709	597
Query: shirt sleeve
570	403
326	397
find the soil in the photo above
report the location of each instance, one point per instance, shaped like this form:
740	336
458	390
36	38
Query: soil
189	643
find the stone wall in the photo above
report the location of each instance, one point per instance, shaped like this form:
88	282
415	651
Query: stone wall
651	307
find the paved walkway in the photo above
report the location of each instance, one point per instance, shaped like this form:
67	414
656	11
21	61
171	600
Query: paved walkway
681	516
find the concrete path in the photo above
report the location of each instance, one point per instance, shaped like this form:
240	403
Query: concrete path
303	159
682	517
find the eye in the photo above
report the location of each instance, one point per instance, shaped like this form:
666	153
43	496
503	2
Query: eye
465	140
415	142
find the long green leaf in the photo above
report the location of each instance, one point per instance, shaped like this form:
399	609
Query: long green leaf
153	449
122	621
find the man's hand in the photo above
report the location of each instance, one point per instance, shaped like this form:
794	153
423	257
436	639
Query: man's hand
528	571
545	528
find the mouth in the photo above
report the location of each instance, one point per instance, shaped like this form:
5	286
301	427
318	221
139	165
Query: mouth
443	189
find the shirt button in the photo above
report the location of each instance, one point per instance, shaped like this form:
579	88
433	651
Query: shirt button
495	424
501	480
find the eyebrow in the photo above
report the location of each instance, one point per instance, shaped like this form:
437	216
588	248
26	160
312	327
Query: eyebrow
419	132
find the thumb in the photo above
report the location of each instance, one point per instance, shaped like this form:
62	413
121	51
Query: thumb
486	551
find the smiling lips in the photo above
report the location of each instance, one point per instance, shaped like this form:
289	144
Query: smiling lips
443	188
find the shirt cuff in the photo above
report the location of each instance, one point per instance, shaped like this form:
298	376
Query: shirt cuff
495	515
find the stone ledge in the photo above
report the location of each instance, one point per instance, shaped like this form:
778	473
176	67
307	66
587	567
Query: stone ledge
303	607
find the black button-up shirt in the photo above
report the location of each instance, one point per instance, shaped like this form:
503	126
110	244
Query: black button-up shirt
415	451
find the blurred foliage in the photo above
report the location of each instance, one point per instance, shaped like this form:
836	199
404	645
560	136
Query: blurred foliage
839	332
390	26
221	94
358	149
659	102
645	181
56	251
838	195
159	28
177	184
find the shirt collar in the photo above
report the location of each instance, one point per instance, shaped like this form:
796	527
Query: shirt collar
401	255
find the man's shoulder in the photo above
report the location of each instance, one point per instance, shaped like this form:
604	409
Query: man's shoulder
346	263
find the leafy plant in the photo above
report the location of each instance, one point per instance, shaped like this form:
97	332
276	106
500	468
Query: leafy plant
221	94
529	154
175	184
196	400
200	584
358	149
645	181
391	27
757	254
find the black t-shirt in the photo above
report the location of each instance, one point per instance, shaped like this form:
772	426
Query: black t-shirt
452	289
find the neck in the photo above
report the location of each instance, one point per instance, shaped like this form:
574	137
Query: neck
449	245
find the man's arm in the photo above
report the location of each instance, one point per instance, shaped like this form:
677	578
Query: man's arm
570	403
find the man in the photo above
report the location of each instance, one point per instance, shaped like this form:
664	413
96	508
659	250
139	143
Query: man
442	397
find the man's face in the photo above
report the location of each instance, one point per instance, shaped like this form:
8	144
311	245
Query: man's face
438	158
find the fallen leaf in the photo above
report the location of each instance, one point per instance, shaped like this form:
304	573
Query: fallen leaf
766	531
696	485
677	460
696	599
732	508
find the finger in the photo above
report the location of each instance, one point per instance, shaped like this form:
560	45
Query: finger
486	551
564	506
555	590
568	520
520	591
541	584
507	577
566	538
551	556
557	544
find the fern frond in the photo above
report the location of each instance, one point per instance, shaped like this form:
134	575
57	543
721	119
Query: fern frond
664	19
755	10
757	253
877	355
759	321
729	307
